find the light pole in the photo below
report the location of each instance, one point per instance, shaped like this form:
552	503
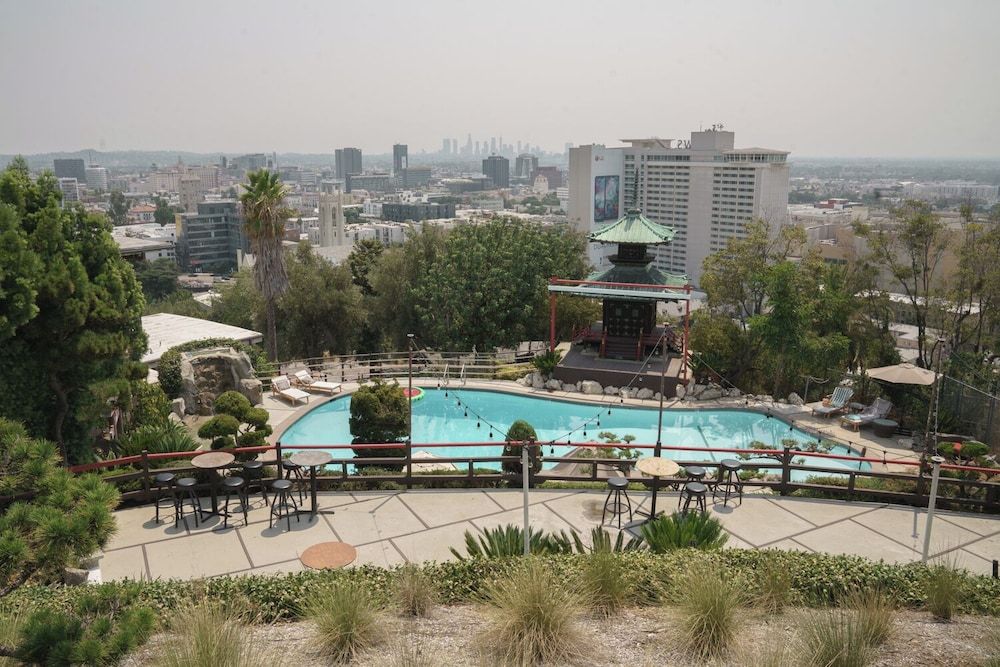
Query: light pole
931	502
409	390
663	375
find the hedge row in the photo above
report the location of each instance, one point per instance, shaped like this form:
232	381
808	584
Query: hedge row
817	580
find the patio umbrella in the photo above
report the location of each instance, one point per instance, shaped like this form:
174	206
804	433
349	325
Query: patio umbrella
905	373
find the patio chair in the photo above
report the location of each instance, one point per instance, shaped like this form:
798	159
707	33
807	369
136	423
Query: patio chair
305	380
879	408
280	386
838	402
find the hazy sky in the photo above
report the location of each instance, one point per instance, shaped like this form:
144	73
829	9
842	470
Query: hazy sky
874	78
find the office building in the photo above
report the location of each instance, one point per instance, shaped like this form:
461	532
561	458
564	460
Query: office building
348	161
399	160
378	182
497	169
445	147
524	166
416	211
957	190
414	177
210	239
97	178
704	188
552	174
70	168
189	192
251	162
70	189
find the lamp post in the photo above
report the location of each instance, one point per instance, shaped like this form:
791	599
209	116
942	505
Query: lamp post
931	502
663	375
409	390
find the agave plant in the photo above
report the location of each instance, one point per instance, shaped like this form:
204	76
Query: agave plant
508	542
680	531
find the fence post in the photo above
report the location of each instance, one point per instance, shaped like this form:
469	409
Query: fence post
921	483
277	458
786	471
145	474
409	463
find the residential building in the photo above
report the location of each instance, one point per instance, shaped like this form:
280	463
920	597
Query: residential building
348	161
497	169
97	178
399	159
416	211
70	168
142	213
703	188
70	188
210	239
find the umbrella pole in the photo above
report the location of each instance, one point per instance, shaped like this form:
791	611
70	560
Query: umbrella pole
930	445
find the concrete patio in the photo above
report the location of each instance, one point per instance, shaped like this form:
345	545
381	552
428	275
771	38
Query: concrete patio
389	528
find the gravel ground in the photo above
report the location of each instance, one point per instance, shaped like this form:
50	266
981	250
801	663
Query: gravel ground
636	637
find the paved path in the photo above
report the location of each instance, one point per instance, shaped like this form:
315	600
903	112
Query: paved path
389	528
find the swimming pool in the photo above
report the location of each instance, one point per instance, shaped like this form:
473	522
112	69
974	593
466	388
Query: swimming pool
472	415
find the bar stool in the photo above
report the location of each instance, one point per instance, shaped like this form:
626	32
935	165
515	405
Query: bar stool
694	474
694	491
294	473
253	472
164	487
237	485
617	486
729	481
185	493
284	503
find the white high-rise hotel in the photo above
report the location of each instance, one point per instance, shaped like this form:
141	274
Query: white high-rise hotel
703	188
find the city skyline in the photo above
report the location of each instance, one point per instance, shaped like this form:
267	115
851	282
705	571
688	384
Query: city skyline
890	79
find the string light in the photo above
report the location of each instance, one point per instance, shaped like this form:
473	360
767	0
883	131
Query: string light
477	423
552	450
491	432
467	412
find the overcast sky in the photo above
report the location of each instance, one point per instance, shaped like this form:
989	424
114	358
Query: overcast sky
838	78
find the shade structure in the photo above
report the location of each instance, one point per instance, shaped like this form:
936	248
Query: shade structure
905	373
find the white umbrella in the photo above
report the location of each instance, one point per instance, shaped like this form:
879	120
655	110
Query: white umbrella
905	373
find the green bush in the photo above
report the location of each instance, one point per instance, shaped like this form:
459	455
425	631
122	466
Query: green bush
379	415
170	361
521	431
171	437
546	363
680	531
221	430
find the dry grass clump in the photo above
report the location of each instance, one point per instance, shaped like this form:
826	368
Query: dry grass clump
943	591
347	620
875	612
604	584
849	636
209	634
991	642
415	592
533	620
774	588
709	603
410	654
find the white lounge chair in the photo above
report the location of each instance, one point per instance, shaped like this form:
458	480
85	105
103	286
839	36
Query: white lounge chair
309	383
879	409
838	402
280	386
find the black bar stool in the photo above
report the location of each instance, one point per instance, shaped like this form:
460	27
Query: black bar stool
617	486
293	472
284	504
164	482
253	472
694	492
185	493
729	482
694	474
237	485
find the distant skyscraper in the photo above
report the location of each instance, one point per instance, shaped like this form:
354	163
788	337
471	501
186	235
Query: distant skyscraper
348	161
477	149
445	146
70	189
454	146
497	168
525	166
70	168
493	144
399	159
97	178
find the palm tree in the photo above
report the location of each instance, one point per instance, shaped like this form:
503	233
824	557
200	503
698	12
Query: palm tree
265	225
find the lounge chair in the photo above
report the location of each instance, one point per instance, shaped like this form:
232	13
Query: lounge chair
309	383
280	386
877	410
838	402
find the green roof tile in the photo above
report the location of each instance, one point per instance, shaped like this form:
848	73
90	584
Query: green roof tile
636	228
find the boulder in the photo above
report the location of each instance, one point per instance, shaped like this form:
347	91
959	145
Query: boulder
696	390
252	389
632	392
591	387
610	390
710	394
553	385
569	387
795	399
765	399
644	394
656	396
75	576
205	374
733	392
177	408
537	382
172	417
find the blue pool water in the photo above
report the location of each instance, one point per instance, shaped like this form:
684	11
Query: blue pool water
438	417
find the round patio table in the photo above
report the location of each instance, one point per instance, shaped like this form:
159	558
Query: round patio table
656	467
213	461
884	428
312	459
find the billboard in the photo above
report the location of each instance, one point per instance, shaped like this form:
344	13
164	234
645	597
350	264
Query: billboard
605	198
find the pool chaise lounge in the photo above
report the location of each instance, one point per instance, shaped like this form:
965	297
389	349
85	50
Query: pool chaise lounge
306	381
877	410
282	387
838	403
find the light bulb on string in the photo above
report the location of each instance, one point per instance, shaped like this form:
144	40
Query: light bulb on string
477	423
491	432
446	393
466	412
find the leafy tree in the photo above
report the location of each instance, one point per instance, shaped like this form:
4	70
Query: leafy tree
352	215
117	208
379	414
263	207
158	278
81	327
521	431
61	518
364	256
180	302
239	303
164	213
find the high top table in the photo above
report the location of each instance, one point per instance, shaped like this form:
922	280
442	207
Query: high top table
656	467
312	459
213	461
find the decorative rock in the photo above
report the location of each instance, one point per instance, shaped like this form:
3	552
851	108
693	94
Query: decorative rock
537	382
644	394
74	576
681	390
697	390
782	401
733	392
177	407
172	417
710	394
591	387
569	387
252	389
656	396
633	392
765	399
205	374
553	385
610	390
795	399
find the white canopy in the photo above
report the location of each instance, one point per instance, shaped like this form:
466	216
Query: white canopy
905	373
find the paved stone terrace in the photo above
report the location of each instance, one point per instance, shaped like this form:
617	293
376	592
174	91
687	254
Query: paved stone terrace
390	528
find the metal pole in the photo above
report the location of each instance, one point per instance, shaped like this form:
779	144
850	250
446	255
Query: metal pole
524	490
936	473
409	394
663	374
